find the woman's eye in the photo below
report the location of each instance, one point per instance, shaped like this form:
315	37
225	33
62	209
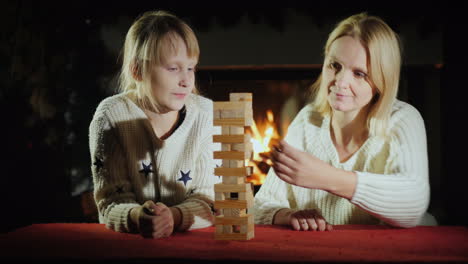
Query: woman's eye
172	68
360	74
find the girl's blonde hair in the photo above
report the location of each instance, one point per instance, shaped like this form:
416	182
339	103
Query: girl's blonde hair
150	38
384	62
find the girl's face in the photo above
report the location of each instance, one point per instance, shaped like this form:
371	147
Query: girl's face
173	80
346	76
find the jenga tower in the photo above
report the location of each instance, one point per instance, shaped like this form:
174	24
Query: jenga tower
234	197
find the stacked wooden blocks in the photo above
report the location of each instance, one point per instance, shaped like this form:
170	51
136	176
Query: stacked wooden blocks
234	196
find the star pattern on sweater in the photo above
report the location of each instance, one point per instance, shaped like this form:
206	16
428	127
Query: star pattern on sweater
119	189
98	163
185	177
146	169
213	210
192	191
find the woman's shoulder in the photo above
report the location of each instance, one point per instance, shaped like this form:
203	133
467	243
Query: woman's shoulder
308	115
404	112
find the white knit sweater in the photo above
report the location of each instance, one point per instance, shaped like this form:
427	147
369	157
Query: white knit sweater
130	165
392	175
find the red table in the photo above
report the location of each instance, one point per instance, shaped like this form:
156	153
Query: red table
349	243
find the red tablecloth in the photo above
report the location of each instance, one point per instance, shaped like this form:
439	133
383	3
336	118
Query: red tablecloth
349	243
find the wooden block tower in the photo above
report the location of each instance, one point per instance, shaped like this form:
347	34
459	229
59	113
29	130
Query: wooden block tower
234	196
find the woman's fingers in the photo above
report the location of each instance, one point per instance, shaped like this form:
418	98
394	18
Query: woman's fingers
321	223
309	220
283	158
282	168
295	224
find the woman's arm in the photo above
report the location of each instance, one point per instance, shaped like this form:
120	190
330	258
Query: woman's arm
399	198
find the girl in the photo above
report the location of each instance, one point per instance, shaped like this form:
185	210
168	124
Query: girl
151	144
356	155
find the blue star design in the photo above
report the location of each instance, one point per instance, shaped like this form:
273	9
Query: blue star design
192	191
98	163
185	177
146	169
119	189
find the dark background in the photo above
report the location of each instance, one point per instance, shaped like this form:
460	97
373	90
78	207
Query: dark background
60	59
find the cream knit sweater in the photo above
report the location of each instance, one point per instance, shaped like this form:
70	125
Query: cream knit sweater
392	175
130	165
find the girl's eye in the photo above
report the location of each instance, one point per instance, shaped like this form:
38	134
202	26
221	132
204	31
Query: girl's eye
335	65
172	68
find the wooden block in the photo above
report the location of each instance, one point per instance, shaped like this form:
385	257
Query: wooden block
225	147
237	130
227	229
230	122
231	155
216	114
249	226
232	130
232	138
242	171
242	147
220	197
232	204
225	130
228	114
228	105
241	220
240	97
238	188
234	212
233	179
236	163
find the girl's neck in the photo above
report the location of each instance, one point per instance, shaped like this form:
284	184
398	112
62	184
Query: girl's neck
164	124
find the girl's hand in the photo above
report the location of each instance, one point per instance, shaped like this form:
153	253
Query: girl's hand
154	220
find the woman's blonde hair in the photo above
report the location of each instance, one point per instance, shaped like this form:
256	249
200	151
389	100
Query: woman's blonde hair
150	38
384	62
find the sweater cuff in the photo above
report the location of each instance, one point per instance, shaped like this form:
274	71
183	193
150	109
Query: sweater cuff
118	218
266	217
195	215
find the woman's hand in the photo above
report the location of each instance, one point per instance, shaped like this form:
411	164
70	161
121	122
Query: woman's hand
155	220
299	168
303	220
305	170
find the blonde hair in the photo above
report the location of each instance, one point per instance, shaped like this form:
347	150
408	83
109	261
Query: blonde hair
384	62
150	38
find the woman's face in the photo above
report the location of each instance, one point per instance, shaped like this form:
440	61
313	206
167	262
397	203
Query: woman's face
173	80
345	74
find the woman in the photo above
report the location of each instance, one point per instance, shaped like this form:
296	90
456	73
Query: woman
356	154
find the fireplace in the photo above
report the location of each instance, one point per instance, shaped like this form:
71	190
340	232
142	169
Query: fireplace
278	94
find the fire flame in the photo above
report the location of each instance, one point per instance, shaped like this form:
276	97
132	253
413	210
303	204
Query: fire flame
262	137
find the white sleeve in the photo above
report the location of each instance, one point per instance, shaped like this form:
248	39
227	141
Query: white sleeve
276	194
401	197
